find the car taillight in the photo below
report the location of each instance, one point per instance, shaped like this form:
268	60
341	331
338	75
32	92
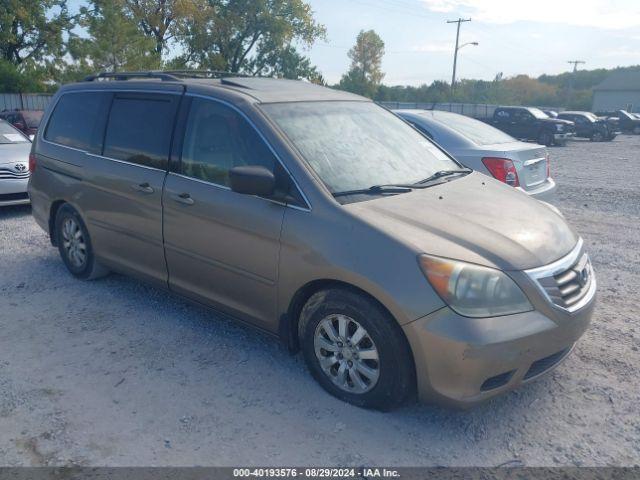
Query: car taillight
503	169
32	162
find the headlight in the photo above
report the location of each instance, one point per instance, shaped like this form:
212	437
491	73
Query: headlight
472	290
559	127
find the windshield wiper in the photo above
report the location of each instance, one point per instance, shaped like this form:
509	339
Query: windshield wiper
443	173
400	187
375	190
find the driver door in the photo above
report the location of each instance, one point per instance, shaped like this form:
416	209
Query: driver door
222	247
523	125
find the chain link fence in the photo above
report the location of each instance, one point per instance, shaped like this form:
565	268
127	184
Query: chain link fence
476	110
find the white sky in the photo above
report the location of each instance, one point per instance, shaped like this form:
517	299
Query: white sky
514	36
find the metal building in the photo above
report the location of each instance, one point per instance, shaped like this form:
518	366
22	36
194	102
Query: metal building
619	91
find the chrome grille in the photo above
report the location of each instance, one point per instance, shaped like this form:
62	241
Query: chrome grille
11	173
568	283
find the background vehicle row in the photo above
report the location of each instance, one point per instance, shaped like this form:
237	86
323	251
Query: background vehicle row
14	165
488	150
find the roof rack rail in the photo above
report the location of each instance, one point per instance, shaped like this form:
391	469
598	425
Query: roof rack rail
164	75
205	73
128	75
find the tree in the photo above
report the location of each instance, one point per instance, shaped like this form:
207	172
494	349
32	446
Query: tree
249	36
287	62
114	41
161	19
365	74
32	30
28	79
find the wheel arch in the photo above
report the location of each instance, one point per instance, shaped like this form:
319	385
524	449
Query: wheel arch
53	211
288	325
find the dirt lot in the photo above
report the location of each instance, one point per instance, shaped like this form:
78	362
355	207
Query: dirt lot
114	372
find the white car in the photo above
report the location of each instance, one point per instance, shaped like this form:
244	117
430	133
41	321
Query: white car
488	150
14	165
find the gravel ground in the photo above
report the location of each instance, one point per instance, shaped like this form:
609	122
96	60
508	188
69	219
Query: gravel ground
114	372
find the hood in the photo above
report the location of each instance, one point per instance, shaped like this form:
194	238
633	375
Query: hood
15	152
475	219
556	121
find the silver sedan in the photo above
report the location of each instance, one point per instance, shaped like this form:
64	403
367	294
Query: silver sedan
488	150
14	165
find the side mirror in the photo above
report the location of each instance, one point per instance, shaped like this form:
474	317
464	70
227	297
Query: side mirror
252	180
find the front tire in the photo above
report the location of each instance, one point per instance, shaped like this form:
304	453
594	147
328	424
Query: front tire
597	137
74	245
356	350
546	139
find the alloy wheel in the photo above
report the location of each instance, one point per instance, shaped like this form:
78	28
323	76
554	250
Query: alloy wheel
73	242
347	353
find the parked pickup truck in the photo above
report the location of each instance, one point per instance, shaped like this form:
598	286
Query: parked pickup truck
590	126
528	123
627	122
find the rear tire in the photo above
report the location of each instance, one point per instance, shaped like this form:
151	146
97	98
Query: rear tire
356	350
74	245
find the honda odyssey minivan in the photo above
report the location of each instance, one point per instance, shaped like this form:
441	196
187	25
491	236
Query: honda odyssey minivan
321	218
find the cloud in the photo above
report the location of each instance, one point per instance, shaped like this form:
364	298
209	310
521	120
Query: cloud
623	51
607	14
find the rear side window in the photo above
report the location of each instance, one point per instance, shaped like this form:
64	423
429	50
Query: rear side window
78	120
139	129
422	129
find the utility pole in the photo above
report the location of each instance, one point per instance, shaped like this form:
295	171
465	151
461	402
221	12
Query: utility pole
455	52
575	64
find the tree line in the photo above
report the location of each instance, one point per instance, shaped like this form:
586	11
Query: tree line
570	90
43	45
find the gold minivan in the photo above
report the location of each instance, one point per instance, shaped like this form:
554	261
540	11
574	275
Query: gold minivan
319	217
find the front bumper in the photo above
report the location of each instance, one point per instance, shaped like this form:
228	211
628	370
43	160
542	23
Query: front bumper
13	191
562	137
463	361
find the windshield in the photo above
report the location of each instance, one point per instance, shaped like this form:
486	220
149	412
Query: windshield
536	112
355	145
32	118
478	132
8	134
591	116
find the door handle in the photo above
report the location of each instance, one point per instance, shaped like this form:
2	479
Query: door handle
142	188
183	198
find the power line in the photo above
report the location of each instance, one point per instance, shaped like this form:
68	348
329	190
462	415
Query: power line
392	9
